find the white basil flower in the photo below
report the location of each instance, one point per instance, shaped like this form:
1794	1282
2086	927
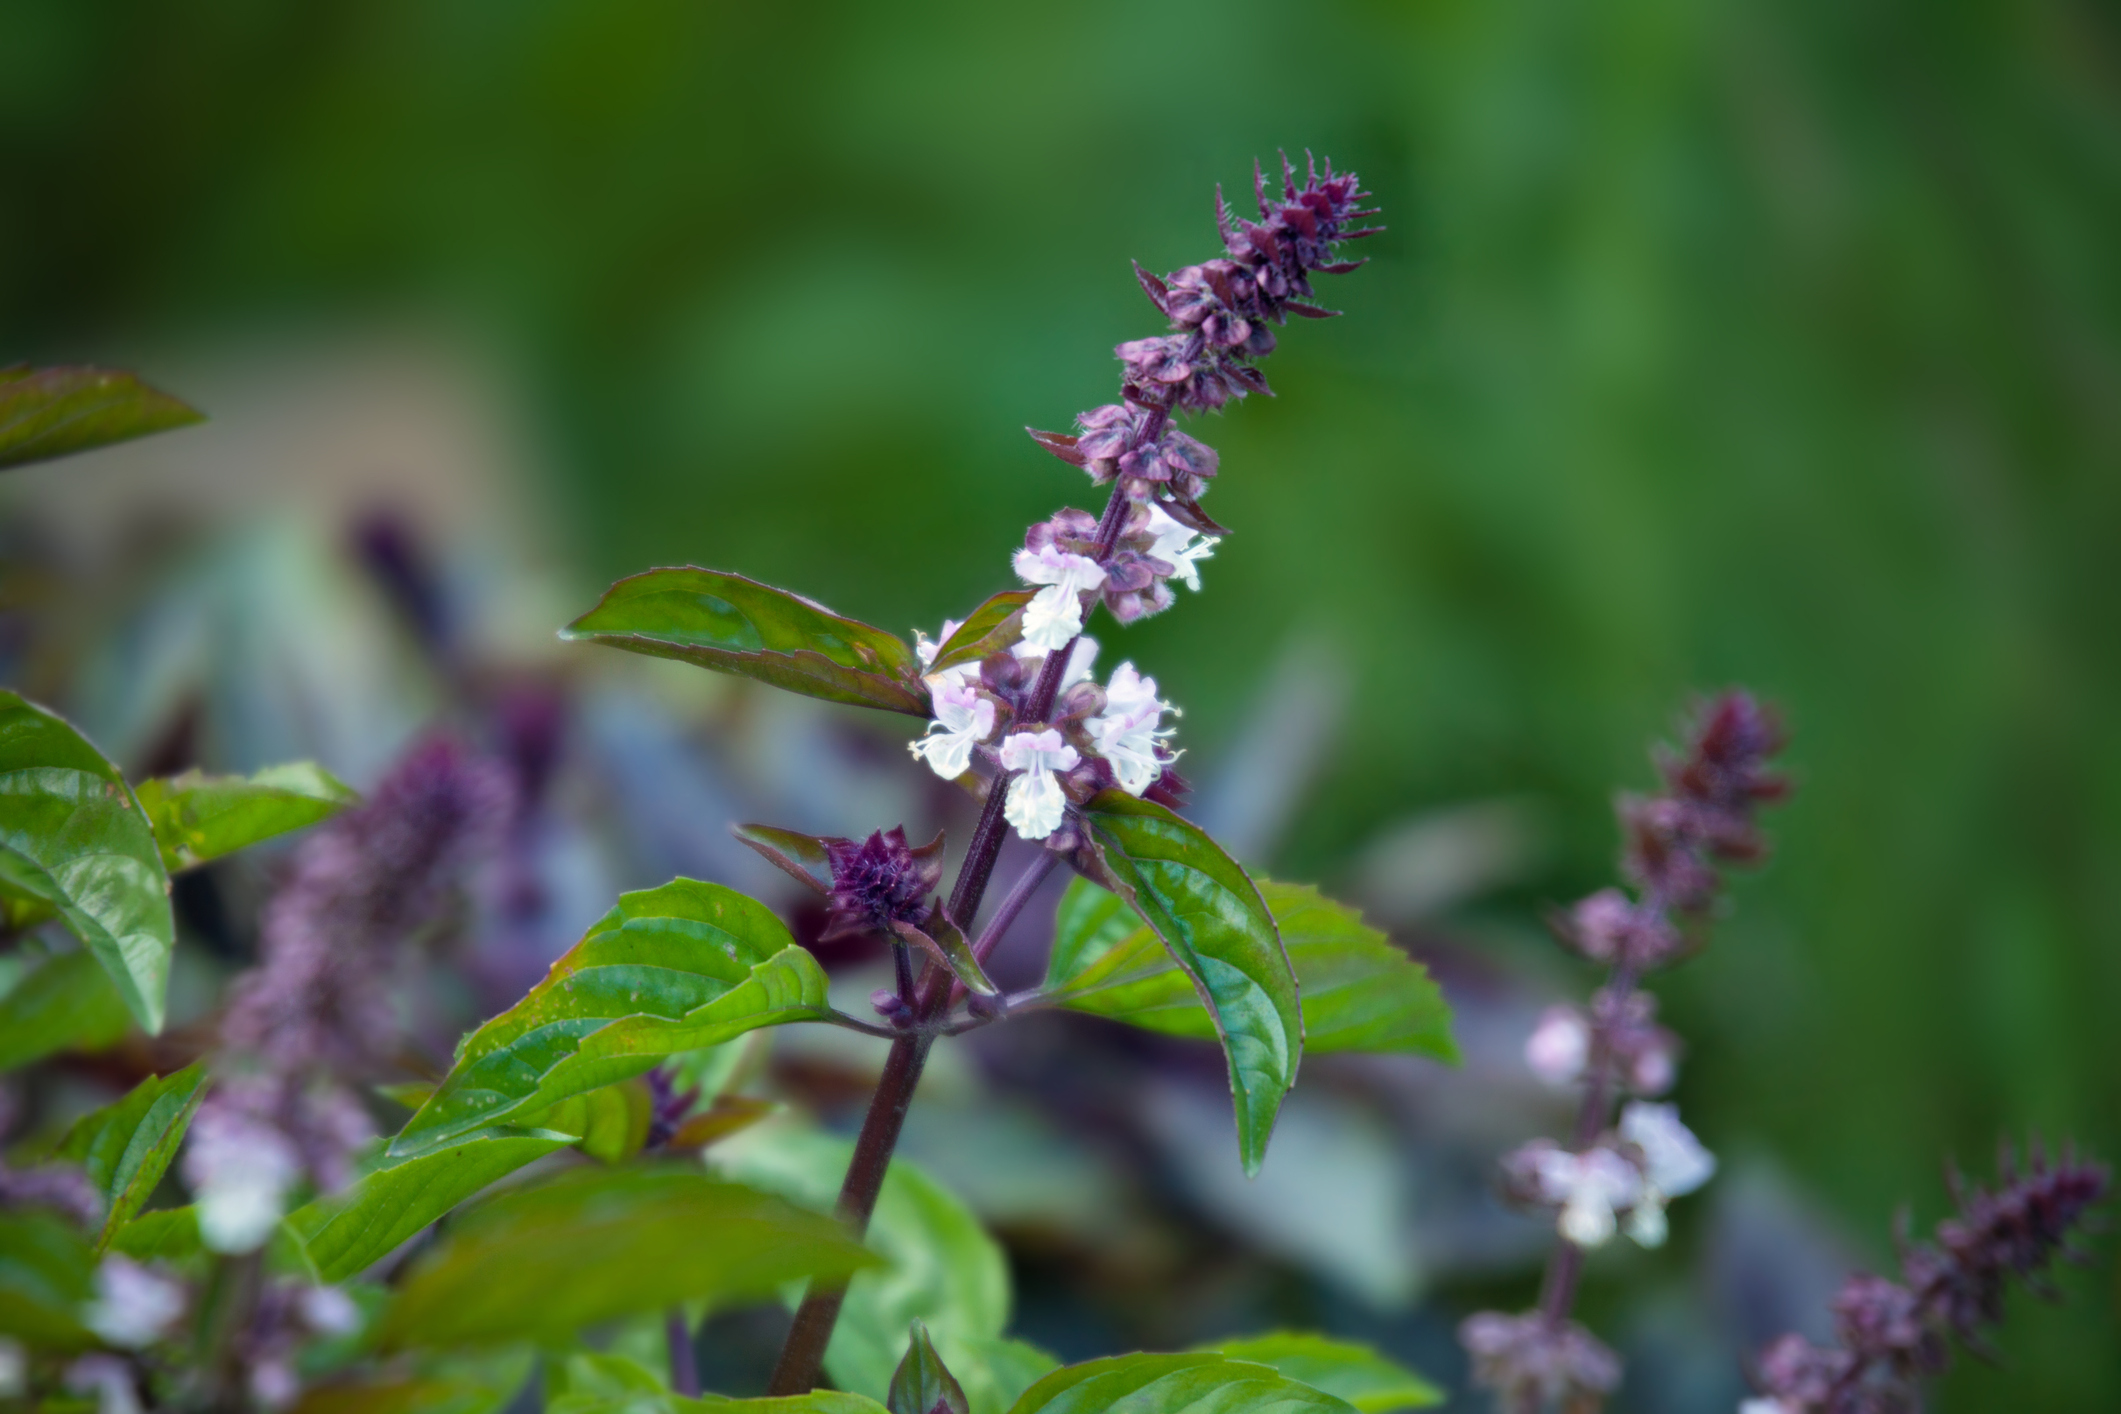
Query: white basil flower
926	648
1674	1162
1055	613
240	1170
133	1307
1179	546
1080	660
1128	730
1036	802
963	719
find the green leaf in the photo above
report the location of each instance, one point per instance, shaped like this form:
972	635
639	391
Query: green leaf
942	1267
199	817
667	970
1089	923
125	1148
55	412
994	627
995	1372
482	1385
165	1235
737	625
45	1276
1360	992
947	945
801	857
609	1124
922	1384
1342	1368
344	1234
1216	927
72	834
818	1401
541	1263
1174	1384
67	1001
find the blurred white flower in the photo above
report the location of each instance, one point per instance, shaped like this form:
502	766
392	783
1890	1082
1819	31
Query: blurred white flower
1036	803
133	1307
963	719
240	1170
109	1379
14	1368
273	1384
1079	660
1589	1187
1674	1162
328	1310
1128	730
1559	1046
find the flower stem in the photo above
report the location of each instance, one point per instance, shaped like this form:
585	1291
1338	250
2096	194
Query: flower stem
1557	1289
804	1352
684	1363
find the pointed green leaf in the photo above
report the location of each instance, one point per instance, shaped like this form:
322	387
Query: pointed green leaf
1360	992
947	946
801	857
922	1384
737	625
944	1269
1174	1384
994	627
1343	1368
72	834
45	1272
164	1235
667	970
541	1263
54	412
343	1234
1216	927
198	817
125	1148
67	1001
1088	924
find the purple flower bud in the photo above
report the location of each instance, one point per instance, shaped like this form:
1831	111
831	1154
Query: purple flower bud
880	881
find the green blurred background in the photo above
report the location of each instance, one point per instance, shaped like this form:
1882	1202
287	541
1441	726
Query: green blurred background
1719	342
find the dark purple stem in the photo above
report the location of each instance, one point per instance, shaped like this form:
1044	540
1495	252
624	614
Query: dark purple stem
804	1353
684	1363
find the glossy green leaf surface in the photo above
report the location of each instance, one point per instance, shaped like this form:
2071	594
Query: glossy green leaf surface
164	1235
125	1148
994	627
1217	928
737	625
65	1001
1360	992
669	969
1170	1384
45	1275
1352	1372
923	1384
197	817
343	1234
55	412
543	1262
72	834
942	1268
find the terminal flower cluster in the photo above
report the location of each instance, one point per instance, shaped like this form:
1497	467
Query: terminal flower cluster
1893	1333
1056	735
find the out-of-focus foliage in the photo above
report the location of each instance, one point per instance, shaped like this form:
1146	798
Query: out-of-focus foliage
1763	341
